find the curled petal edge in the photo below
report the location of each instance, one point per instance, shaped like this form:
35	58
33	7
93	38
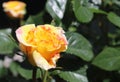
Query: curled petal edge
42	62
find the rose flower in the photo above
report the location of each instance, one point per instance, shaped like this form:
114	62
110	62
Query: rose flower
15	9
42	44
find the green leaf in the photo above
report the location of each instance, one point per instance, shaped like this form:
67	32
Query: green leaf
82	13
35	19
56	8
27	73
13	68
79	46
98	11
7	44
72	77
113	18
30	20
82	70
108	59
76	4
106	80
6	31
3	70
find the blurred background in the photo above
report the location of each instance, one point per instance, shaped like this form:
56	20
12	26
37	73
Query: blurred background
92	29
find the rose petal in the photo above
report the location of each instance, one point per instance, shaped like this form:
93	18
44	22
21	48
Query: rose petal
41	61
22	33
16	8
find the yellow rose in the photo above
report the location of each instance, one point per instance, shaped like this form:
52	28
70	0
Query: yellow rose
42	44
15	9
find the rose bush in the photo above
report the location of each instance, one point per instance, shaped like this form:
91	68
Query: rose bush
42	44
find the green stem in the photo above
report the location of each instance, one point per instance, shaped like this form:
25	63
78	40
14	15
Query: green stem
34	74
45	76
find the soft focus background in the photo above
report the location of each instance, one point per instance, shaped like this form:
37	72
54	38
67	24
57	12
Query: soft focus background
93	31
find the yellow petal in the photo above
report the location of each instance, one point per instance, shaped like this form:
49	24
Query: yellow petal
15	8
14	5
42	62
22	33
